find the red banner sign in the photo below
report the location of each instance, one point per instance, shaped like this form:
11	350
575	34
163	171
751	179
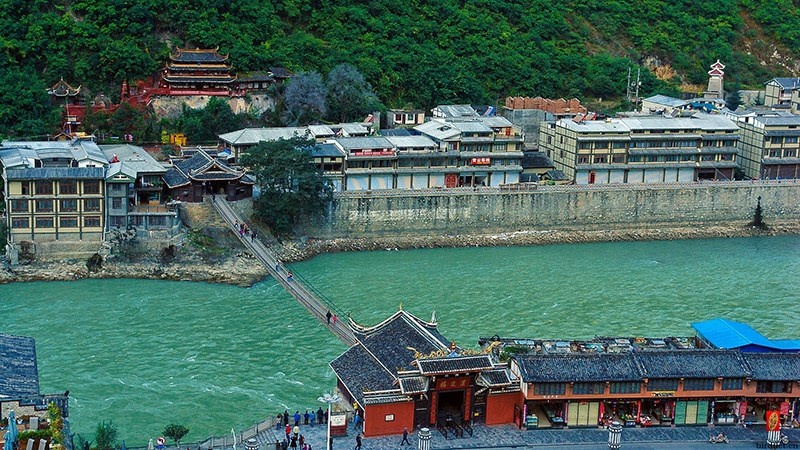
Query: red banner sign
373	153
784	408
452	383
481	161
773	421
743	408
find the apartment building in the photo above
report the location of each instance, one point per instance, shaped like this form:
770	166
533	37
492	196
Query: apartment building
643	148
769	144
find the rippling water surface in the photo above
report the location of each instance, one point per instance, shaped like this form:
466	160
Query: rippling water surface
148	353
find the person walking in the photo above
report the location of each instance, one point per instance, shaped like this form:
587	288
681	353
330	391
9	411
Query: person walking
302	440
288	432
405	437
305	418
326	416
285	417
328	316
356	420
335	318
296	430
358	442
294	443
319	415
311	418
278	422
289	277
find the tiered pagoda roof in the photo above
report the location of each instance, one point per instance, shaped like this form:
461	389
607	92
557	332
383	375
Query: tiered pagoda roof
63	89
202	167
397	358
198	56
198	66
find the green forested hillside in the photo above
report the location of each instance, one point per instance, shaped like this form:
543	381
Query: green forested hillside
417	52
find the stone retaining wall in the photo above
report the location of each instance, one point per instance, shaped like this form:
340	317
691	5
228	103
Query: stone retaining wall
568	208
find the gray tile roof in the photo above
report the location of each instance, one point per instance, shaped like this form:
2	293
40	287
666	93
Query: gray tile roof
19	375
395	132
454	364
494	378
134	159
358	143
252	136
559	368
194	168
496	121
455	111
532	160
773	366
385	398
57	173
326	150
787	82
405	142
666	100
439	130
360	372
79	149
691	364
414	385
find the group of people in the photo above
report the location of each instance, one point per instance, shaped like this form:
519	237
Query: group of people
331	315
294	439
244	230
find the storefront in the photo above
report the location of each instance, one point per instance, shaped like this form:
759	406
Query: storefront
658	412
583	414
725	411
626	412
691	412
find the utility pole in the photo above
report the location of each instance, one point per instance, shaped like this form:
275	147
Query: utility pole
628	86
638	83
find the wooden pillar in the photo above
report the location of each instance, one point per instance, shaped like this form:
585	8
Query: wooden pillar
434	398
467	405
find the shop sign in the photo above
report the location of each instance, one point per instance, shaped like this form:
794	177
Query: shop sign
481	161
773	421
338	420
663	393
452	383
550	396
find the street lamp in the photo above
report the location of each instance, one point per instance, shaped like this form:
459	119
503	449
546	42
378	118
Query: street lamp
330	400
614	435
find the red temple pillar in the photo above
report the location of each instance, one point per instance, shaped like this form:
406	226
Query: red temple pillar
433	408
468	405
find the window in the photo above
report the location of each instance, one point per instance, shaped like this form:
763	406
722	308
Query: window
68	222
600	159
92	204
116	203
561	154
583	160
625	387
790	153
44	222
67	187
773	387
587	388
550	388
698	384
44	188
776	140
69	205
44	205
634	159
91	221
25	188
618	159
620	145
774	153
117	221
663	384
117	187
791	140
639	144
584	145
19	206
710	157
157	221
726	157
731	384
91	187
20	222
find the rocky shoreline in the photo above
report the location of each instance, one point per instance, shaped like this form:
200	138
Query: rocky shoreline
294	252
242	269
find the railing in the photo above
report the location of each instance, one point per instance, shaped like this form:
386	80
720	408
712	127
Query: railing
442	429
468	428
561	188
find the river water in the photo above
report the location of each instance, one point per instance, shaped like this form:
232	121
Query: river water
148	353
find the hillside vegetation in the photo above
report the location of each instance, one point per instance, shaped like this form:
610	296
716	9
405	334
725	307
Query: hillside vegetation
416	52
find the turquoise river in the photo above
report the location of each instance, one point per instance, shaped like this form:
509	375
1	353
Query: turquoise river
147	353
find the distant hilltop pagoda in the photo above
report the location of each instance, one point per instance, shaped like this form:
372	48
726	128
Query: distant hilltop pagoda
197	71
715	81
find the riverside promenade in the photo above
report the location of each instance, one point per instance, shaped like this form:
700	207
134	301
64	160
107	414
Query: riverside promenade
509	436
313	300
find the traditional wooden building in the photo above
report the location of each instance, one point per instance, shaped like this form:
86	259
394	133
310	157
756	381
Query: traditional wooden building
403	372
189	180
191	72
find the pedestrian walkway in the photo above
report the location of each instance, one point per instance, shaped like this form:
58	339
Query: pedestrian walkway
296	285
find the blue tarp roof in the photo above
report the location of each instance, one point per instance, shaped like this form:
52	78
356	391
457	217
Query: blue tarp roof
722	333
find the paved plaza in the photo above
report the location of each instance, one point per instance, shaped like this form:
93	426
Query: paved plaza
508	436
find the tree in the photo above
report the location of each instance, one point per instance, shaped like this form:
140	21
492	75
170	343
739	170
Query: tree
106	436
204	125
293	190
305	98
734	100
349	94
175	432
